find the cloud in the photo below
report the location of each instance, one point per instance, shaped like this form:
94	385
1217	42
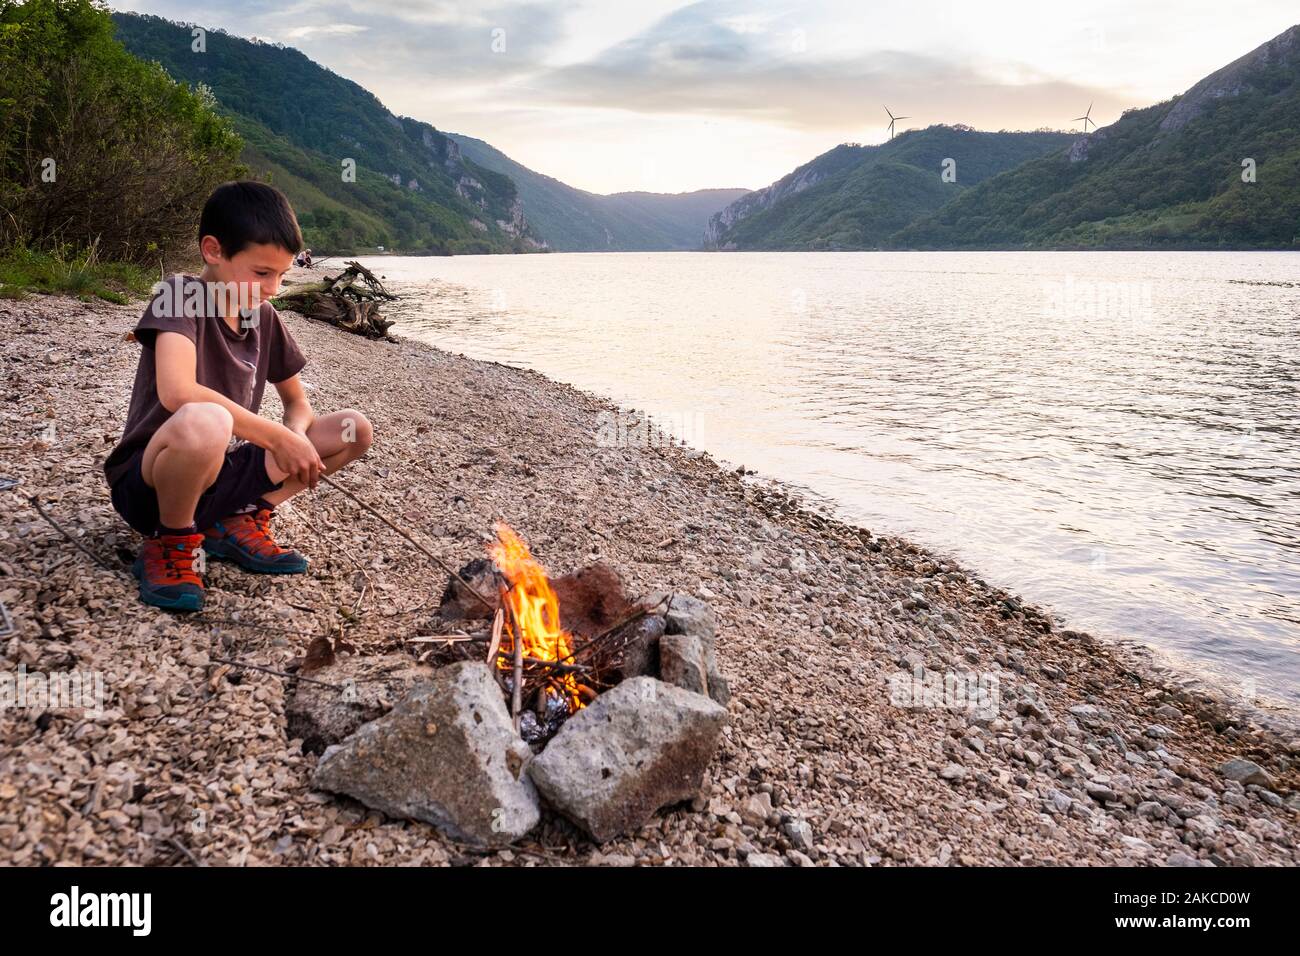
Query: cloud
413	43
673	94
709	59
332	29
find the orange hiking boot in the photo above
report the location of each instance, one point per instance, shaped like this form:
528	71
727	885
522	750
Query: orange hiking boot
246	540
166	571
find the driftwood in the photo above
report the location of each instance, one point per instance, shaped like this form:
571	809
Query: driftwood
349	300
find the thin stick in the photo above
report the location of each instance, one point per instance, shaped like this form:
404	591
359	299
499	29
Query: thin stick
185	850
517	649
269	670
549	665
231	622
516	694
36	503
454	638
497	623
634	616
427	553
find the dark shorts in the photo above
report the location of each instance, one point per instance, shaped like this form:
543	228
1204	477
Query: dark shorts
241	481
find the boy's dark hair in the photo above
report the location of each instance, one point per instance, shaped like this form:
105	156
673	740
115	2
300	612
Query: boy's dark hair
244	212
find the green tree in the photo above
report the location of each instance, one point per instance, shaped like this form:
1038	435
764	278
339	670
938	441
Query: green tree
98	148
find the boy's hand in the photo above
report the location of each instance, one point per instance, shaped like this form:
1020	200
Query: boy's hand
297	457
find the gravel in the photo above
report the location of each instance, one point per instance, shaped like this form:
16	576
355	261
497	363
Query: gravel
190	759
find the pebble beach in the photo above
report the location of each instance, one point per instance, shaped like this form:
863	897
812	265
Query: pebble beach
1091	753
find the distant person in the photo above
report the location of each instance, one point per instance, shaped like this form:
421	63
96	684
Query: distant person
210	344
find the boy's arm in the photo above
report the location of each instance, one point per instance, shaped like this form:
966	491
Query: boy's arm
298	414
175	361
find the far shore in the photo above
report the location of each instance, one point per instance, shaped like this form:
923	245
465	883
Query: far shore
1094	754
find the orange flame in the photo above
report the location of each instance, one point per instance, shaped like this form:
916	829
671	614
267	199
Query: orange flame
536	610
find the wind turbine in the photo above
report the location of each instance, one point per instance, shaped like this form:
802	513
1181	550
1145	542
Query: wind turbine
1086	118
892	120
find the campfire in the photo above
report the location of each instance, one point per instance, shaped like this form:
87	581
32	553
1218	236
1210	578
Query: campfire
554	645
535	647
602	707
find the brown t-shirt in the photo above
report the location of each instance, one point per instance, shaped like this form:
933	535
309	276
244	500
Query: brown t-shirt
236	364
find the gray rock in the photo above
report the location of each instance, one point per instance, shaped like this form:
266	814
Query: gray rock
763	859
799	833
612	859
446	754
641	654
1089	714
640	746
681	662
1236	800
1136	844
686	657
954	773
458	603
1060	801
1268	796
1245	772
1033	707
685	661
1100	791
756	809
690	615
322	716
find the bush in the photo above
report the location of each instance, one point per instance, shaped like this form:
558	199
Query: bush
131	153
70	272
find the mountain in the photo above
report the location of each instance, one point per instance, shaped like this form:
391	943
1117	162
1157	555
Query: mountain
573	220
1171	175
414	189
858	197
417	188
806	176
680	218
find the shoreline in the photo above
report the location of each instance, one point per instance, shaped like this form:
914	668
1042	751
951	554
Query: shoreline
431	301
1095	756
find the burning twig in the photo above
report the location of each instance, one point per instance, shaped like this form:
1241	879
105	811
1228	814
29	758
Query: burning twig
516	695
425	551
517	648
545	665
540	695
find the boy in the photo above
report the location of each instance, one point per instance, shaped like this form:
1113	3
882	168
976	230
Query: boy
210	344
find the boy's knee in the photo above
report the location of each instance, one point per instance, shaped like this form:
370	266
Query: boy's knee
202	427
356	431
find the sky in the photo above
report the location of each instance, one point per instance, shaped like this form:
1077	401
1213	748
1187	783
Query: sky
672	96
